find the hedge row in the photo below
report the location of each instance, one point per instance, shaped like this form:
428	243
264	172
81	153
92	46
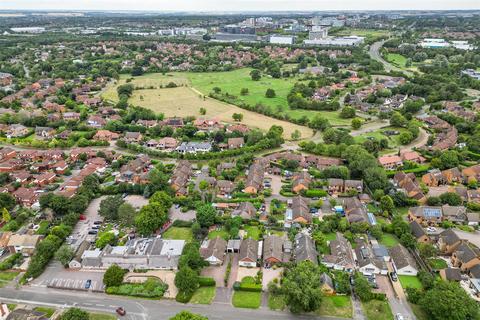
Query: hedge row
206	282
250	287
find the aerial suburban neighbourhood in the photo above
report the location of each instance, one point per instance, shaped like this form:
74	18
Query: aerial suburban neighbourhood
226	164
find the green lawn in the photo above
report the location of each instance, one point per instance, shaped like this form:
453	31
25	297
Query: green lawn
177	233
336	306
377	310
101	316
410	281
222	233
47	311
245	299
232	82
437	264
276	302
203	295
389	240
6	277
252	232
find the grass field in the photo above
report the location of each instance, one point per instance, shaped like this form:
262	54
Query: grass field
336	306
176	233
203	295
377	310
410	281
362	32
397	59
389	240
245	299
186	101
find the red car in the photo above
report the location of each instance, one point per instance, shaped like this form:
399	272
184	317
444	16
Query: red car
121	311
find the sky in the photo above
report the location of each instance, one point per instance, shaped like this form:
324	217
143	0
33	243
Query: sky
239	5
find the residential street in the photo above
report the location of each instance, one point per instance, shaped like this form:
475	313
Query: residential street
136	308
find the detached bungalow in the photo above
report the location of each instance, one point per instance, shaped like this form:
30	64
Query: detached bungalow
248	254
213	251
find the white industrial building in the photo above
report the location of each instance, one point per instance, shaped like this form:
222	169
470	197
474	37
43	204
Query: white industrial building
289	40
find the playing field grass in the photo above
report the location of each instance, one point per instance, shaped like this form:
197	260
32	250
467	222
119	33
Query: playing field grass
186	101
410	281
336	306
176	233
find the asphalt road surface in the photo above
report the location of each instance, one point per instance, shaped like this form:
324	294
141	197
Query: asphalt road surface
137	308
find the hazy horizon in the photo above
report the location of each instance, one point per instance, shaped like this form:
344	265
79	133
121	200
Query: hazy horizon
237	6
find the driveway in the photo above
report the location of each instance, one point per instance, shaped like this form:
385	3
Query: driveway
177	214
246	272
234	270
269	275
217	273
397	305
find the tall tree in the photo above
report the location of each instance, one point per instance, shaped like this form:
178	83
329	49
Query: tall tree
301	287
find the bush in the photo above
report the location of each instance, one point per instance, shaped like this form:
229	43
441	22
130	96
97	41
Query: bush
250	287
182	224
312	193
10	261
152	288
183	297
206	282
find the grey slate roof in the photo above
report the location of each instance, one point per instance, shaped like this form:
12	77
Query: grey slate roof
305	248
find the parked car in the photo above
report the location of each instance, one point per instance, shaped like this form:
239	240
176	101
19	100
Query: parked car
93	232
121	311
97	222
96	227
393	276
88	284
399	316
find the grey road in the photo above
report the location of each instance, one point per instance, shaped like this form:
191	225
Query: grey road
136	308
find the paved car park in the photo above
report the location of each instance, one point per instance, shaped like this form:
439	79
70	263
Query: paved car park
56	276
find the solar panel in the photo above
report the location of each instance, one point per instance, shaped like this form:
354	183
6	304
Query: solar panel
432	212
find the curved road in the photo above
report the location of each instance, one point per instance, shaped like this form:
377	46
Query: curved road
374	52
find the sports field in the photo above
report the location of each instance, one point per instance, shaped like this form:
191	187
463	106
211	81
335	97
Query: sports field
185	101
